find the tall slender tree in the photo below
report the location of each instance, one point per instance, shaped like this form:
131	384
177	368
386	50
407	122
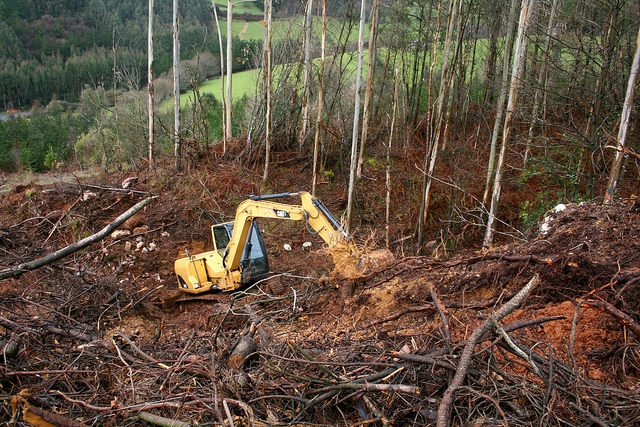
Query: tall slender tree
316	140
447	73
373	26
356	117
306	85
176	88
614	174
151	120
223	95
422	215
267	80
228	112
502	96
542	80
516	77
394	114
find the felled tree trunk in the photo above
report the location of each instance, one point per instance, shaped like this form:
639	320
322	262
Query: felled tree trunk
243	349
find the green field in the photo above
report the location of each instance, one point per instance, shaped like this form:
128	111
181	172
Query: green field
244	83
288	28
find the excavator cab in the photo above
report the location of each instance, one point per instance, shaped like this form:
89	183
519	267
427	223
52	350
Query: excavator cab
254	265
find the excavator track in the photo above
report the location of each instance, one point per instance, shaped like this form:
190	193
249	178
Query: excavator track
182	298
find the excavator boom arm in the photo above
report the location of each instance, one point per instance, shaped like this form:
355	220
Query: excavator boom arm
317	217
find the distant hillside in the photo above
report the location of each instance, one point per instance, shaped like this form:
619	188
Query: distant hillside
52	49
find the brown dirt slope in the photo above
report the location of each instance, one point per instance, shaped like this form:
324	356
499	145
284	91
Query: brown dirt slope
99	337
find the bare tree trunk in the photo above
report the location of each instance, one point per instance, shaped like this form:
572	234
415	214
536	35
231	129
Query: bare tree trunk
423	205
266	76
150	84
542	79
306	86
394	114
316	142
595	110
114	45
176	87
223	96
228	112
440	117
356	118
502	96
495	28
373	26
624	125
516	75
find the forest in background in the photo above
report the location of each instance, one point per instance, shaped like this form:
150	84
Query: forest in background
451	63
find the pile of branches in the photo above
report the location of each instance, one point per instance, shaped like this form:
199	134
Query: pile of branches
66	362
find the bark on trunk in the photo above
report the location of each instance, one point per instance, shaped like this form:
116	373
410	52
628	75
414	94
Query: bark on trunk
150	84
316	142
516	75
624	125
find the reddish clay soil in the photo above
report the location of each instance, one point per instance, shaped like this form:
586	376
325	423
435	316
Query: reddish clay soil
103	336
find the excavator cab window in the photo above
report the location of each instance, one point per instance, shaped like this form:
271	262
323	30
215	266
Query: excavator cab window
254	263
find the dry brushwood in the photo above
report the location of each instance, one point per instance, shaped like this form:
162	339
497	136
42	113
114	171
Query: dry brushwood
92	339
444	409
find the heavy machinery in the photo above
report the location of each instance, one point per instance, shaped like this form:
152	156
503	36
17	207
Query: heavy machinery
239	257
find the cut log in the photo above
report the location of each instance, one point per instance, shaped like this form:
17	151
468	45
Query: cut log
243	349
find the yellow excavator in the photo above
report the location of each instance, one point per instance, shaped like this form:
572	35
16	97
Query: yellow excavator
239	257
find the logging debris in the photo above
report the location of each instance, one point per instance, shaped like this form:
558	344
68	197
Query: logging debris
96	338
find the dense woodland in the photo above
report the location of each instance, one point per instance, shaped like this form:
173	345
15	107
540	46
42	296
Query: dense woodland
452	92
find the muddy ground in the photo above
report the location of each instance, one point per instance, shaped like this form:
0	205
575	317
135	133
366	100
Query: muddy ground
103	337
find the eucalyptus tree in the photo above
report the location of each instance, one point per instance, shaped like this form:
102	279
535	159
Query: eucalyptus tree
502	96
176	88
223	95
542	81
229	100
614	174
447	73
356	118
520	49
266	82
306	84
320	103
150	107
373	26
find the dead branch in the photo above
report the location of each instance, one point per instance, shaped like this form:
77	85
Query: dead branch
161	421
625	318
74	247
247	409
493	401
424	358
139	351
444	409
443	315
398	388
399	313
509	341
42	418
624	150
